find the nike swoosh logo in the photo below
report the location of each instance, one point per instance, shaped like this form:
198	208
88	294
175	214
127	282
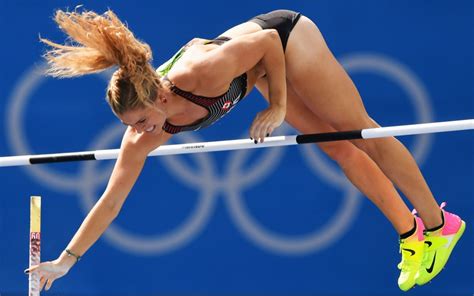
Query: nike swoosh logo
430	269
409	250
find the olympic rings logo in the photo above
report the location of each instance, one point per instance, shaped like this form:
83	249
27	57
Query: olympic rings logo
232	183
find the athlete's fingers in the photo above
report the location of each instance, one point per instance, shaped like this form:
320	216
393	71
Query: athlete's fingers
42	282
270	127
258	131
264	124
256	128
270	131
252	132
49	284
253	127
31	269
265	132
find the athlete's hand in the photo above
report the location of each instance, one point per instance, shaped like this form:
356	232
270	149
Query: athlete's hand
266	122
51	270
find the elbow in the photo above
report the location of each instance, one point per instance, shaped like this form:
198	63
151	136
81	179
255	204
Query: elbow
114	212
272	33
110	208
272	36
272	42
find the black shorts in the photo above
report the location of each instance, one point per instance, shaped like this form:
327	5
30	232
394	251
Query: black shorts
281	20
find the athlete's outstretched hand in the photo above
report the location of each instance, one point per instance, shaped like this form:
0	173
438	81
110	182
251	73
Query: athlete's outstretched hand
51	271
267	121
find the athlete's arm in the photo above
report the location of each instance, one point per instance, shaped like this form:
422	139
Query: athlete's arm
238	56
133	153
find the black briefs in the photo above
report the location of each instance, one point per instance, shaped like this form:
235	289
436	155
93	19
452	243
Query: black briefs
281	20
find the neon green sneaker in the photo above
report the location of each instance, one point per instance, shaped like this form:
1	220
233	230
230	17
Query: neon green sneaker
412	257
438	246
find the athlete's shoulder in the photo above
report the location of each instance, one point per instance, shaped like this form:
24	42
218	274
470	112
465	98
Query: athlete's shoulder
143	143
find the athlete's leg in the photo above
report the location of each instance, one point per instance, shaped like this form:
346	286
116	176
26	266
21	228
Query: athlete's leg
324	86
372	183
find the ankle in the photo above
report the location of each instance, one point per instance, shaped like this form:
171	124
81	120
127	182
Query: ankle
412	233
436	227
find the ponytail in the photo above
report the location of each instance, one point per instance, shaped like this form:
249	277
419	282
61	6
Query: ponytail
98	42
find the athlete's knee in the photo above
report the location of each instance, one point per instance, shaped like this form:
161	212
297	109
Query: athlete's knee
373	147
377	149
341	151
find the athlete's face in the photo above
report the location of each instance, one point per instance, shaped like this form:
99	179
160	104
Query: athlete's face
144	120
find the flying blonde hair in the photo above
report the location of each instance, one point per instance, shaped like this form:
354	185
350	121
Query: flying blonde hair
98	42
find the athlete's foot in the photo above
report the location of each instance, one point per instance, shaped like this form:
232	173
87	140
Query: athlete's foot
412	256
439	245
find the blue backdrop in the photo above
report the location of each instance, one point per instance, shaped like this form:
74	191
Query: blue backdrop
269	222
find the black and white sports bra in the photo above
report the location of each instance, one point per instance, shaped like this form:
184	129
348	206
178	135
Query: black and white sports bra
217	106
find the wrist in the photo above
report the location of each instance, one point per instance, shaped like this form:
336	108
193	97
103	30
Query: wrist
278	105
69	258
72	254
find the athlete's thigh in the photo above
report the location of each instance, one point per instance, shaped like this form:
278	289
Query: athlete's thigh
320	81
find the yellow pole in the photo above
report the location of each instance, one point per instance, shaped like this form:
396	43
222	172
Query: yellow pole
35	244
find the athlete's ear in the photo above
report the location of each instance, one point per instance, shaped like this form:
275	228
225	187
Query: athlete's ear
161	99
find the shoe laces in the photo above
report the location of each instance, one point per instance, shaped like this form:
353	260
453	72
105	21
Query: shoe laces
443	204
408	263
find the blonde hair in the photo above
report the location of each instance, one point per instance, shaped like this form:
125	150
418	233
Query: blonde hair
98	42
